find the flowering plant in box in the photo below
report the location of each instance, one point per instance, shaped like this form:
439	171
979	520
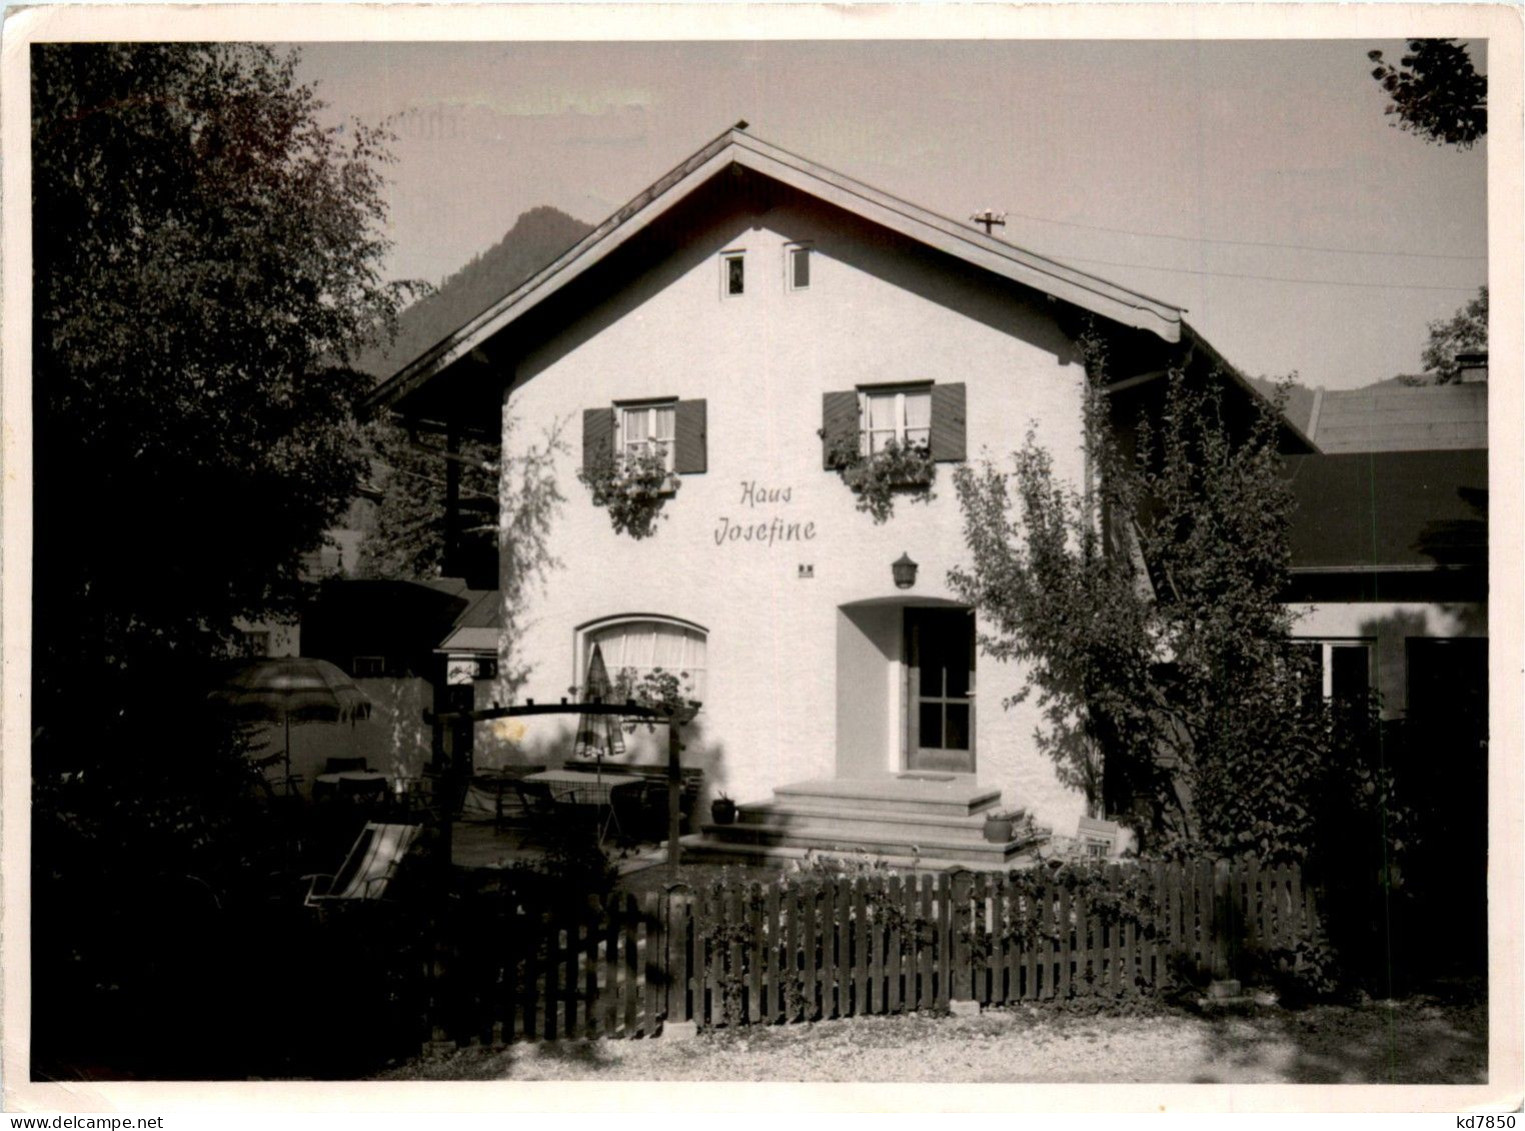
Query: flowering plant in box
632	486
662	691
876	478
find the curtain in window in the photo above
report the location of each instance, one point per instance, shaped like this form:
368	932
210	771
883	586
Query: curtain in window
918	418
641	646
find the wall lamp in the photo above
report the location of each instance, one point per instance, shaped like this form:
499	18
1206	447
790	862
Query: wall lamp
904	571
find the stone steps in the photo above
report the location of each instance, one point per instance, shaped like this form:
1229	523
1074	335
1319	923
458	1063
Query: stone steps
876	842
820	819
931	821
945	795
700	849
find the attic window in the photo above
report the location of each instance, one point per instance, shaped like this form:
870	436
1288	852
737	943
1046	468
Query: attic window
799	267
733	273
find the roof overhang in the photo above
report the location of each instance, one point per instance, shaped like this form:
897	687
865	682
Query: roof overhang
740	149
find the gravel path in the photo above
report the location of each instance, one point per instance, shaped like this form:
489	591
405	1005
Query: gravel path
1407	1042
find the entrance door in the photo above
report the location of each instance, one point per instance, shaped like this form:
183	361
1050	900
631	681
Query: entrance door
940	690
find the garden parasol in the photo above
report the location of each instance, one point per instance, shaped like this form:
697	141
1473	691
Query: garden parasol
598	735
303	688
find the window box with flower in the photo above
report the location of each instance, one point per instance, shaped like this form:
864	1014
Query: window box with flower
634	454
632	486
888	440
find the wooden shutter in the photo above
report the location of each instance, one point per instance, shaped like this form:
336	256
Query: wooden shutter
948	422
691	442
839	418
597	435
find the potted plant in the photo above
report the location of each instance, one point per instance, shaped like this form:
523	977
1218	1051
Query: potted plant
723	810
1001	825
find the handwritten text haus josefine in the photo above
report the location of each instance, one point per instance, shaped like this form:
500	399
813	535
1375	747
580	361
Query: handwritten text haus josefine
765	533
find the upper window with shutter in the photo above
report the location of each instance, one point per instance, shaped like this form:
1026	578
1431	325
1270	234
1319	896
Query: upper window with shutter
675	428
797	266
930	416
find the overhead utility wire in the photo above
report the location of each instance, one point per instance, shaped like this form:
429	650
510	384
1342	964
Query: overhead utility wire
1267	278
1241	243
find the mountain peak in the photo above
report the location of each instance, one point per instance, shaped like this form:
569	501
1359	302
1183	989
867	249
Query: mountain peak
537	237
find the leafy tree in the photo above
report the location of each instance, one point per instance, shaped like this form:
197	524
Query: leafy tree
1464	332
406	538
207	259
1435	92
207	262
1147	612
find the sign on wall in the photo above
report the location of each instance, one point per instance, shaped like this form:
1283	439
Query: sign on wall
760	529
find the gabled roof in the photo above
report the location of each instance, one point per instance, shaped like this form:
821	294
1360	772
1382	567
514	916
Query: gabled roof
736	147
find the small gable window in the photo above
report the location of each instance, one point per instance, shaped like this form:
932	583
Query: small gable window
733	266
799	267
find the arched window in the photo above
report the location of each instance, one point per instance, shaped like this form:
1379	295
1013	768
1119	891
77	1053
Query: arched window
637	645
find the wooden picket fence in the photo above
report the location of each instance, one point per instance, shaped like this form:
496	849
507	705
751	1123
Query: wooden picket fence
826	947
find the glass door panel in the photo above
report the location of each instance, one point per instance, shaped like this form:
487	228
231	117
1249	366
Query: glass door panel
940	689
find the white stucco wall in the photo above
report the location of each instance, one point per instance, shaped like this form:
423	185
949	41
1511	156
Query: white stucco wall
873	313
1390	624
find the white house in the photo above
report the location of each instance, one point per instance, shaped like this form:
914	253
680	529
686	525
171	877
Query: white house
729	314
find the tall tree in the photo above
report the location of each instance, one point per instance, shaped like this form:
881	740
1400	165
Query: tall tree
1147	612
1436	92
1466	331
406	537
207	262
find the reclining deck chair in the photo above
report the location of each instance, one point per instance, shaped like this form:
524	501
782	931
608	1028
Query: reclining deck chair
369	867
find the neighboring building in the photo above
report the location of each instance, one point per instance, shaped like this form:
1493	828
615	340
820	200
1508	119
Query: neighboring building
1390	575
1390	544
728	315
260	638
404	643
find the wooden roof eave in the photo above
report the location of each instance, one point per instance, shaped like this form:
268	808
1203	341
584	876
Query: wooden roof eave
738	148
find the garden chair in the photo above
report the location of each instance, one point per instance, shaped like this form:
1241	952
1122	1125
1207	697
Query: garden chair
368	869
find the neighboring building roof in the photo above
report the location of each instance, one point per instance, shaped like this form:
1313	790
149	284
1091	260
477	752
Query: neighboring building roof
1299	409
464	640
478	628
1391	511
735	147
1403	418
1388	416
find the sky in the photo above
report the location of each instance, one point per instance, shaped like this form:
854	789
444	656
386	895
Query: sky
1257	184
